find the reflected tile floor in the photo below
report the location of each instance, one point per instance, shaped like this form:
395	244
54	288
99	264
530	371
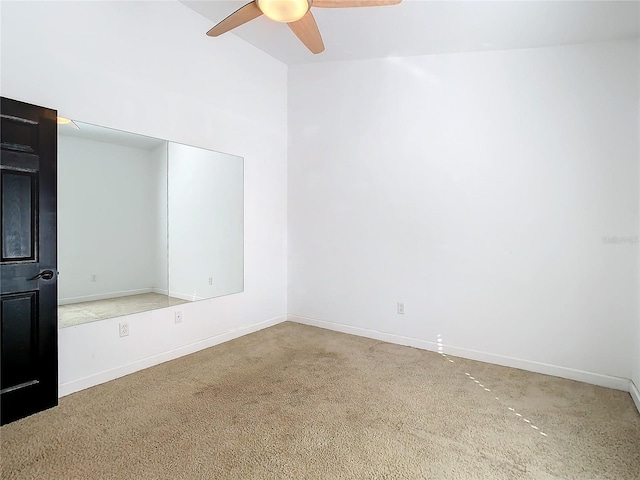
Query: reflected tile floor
78	313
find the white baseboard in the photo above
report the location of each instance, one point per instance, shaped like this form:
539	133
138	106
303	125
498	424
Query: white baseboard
635	394
103	296
122	370
608	381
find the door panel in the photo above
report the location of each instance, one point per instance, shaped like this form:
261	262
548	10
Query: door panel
19	337
20	134
28	296
18	222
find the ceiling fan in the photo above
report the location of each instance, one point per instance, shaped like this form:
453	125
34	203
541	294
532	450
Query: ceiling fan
295	13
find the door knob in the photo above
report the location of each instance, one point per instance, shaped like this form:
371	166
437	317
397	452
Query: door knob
45	275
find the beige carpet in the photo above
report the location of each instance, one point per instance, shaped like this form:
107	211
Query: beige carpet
297	402
85	312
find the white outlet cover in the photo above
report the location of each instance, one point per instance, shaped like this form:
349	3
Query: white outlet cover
124	329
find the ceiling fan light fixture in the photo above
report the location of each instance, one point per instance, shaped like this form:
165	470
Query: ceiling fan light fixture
285	11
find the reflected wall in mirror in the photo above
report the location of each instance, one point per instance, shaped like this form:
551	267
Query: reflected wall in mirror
205	223
144	223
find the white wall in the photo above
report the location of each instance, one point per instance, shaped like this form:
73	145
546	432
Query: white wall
107	204
477	189
635	371
149	68
635	374
204	184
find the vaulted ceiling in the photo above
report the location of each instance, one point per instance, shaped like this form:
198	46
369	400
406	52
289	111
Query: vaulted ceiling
418	27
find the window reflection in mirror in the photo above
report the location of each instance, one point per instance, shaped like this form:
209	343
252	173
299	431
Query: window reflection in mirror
143	223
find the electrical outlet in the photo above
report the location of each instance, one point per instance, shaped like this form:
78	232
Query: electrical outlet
124	329
210	280
400	308
178	317
94	278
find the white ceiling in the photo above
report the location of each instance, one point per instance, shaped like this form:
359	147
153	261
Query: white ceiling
420	27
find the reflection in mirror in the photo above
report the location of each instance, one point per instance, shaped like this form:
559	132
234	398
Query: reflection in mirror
124	239
205	223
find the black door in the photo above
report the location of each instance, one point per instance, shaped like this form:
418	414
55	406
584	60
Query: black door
28	274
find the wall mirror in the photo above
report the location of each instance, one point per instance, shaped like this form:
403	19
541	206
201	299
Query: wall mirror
144	223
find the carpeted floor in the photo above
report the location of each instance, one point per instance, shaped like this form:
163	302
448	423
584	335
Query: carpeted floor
297	402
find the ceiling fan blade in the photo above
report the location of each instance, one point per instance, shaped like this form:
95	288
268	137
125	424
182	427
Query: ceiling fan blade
237	18
306	29
353	3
